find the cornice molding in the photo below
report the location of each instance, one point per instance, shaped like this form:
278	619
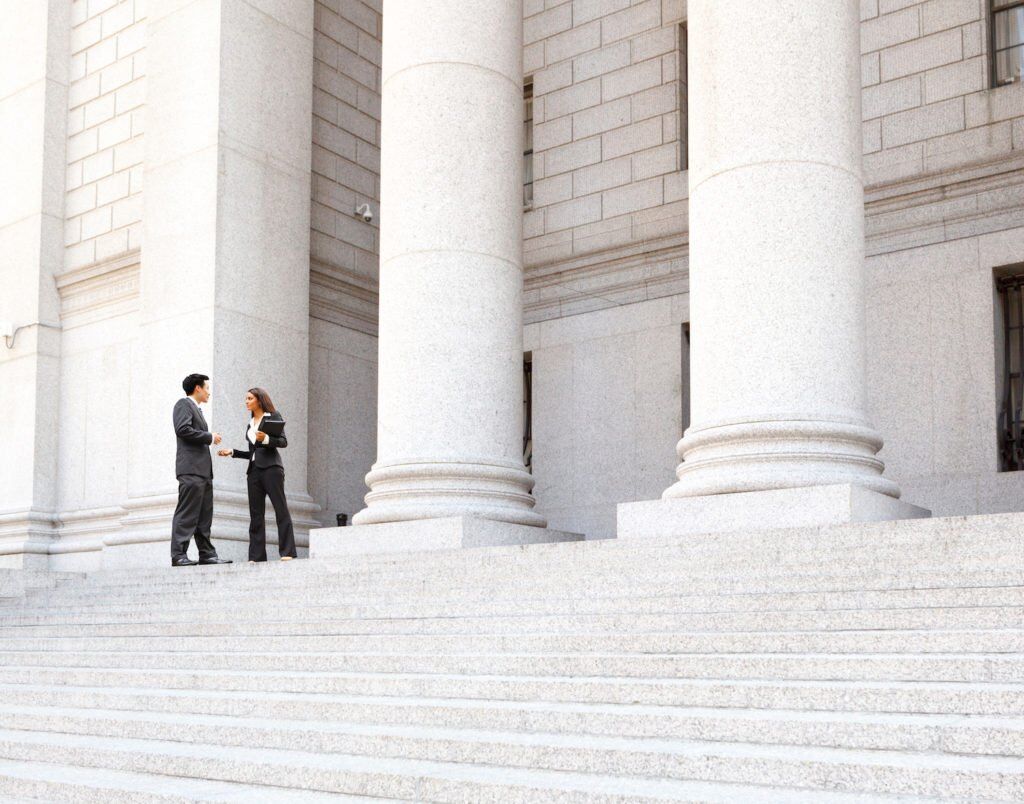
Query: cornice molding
909	212
914	190
342	296
100	290
607	278
947	205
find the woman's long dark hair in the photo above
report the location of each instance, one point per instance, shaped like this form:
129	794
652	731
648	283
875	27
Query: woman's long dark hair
264	399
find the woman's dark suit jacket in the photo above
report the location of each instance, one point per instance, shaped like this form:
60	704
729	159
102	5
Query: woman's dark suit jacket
263	454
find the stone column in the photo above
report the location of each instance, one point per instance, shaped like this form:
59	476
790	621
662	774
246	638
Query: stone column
225	256
776	275
450	419
34	59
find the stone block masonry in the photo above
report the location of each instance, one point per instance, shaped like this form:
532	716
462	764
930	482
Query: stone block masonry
106	129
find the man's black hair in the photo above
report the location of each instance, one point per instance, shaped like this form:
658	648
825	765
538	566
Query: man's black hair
193	381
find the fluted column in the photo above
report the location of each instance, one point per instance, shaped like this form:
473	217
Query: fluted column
779	434
450	407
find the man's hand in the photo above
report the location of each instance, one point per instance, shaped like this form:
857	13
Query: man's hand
216	438
224	453
261	436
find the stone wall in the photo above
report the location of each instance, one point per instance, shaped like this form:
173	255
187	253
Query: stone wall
99	285
927	102
608	86
106	122
343	253
608	409
944	161
945	205
346	141
605	252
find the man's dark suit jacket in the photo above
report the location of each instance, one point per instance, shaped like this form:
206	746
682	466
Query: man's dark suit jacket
263	453
194	440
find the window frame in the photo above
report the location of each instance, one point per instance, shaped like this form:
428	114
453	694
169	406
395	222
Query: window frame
1009	286
996	7
528	411
528	153
683	77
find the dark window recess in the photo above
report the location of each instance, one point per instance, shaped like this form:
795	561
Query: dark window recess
528	143
528	414
684	102
1007	41
684	378
1011	437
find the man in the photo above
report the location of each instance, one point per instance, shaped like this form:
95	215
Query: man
194	467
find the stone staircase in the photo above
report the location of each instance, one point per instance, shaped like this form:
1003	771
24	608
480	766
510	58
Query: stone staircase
15	583
859	663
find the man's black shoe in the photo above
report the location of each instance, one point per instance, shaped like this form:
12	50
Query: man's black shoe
215	560
183	562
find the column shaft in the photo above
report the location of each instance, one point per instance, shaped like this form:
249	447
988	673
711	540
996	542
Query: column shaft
450	382
225	262
34	63
776	251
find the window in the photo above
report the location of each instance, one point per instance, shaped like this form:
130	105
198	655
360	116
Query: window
528	144
684	377
1011	345
528	411
684	159
1007	41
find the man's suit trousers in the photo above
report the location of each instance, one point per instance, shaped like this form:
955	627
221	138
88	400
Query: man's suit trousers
193	517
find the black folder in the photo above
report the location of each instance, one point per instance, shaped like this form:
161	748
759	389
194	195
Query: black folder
272	427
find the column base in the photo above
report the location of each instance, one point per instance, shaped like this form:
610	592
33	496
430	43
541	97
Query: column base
809	506
446	533
426	490
25	539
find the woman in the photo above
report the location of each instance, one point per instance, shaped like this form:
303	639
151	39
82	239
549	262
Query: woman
265	477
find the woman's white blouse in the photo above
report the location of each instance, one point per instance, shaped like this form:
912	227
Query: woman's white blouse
254	426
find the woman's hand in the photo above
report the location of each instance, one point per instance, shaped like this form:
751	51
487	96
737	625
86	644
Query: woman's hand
224	453
261	436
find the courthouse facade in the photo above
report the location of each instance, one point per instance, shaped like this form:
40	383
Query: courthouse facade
197	186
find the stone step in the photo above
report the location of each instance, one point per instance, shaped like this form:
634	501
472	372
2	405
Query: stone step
901	538
735	568
981	617
836	769
906	697
1000	640
11	590
39	579
394	778
16	583
45	781
41	708
558	588
296	579
625	566
850	663
610	553
626	605
966	667
505	595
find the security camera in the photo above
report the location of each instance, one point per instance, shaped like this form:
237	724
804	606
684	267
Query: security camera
364	211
